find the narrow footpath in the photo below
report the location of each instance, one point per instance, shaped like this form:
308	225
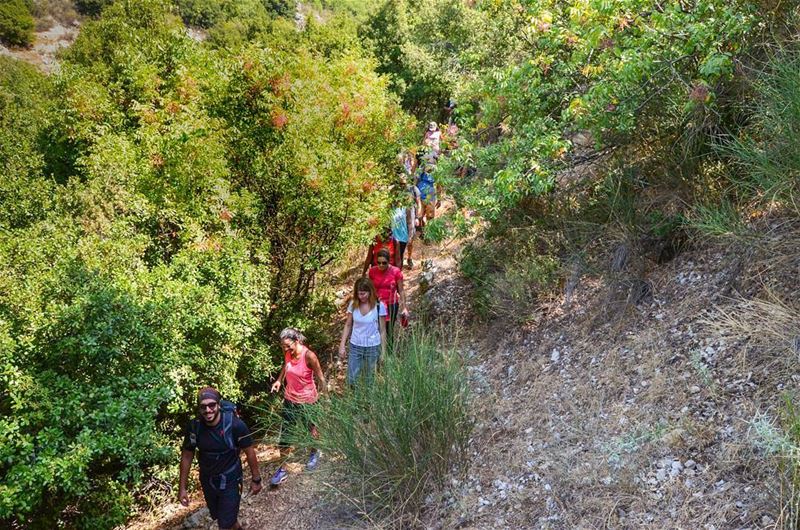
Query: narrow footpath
306	500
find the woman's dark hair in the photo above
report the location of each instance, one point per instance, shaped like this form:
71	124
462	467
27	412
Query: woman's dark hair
384	253
293	334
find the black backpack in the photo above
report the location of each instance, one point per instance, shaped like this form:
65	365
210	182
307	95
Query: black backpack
229	411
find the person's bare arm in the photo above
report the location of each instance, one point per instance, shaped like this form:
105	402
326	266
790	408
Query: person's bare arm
367	261
277	384
313	362
382	328
186	464
348	326
255	472
402	293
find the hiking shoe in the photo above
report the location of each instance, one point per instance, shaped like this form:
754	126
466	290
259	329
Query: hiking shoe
279	476
313	460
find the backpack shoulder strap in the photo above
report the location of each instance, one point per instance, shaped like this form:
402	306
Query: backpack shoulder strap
227	429
194	430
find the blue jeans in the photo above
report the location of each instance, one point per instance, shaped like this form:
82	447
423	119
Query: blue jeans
361	358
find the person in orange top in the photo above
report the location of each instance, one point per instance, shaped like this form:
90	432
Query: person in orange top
300	367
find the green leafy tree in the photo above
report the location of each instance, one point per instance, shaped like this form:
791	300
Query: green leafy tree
92	7
168	206
16	23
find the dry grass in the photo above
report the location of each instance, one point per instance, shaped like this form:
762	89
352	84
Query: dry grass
770	323
627	391
47	12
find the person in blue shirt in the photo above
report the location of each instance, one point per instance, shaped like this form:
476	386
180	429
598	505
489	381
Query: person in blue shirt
427	192
402	229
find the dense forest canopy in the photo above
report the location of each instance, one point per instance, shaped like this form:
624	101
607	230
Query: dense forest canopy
170	202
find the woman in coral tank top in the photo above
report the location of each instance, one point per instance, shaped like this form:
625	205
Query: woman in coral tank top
299	391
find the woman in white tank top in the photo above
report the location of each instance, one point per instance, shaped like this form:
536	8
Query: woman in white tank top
366	328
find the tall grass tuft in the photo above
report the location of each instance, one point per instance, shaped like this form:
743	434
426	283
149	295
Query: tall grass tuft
770	153
780	441
393	441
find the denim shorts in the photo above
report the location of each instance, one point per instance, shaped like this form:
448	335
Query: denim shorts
362	359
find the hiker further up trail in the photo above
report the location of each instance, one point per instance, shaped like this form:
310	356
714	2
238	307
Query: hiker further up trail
415	209
218	435
385	241
403	218
300	367
432	138
428	196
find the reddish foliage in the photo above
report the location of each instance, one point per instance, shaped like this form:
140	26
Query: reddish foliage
699	93
279	119
280	84
255	89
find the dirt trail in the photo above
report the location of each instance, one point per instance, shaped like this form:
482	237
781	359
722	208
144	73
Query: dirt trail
305	500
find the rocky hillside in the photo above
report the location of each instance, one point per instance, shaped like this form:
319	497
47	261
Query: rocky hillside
656	415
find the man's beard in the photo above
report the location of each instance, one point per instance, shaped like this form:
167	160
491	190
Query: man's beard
212	420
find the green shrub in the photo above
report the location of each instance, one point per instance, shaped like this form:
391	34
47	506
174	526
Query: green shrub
719	219
511	271
16	23
202	13
194	196
516	291
281	8
92	7
401	437
26	96
435	230
767	151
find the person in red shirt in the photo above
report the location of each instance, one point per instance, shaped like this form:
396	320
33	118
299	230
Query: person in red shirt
388	281
381	241
299	369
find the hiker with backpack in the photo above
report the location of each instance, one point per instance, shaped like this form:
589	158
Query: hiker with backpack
432	138
402	230
381	241
366	328
388	281
427	192
217	434
300	367
416	211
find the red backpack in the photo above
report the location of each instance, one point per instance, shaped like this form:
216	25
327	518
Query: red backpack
379	244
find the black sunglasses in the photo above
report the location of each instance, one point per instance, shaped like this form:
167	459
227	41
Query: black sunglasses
209	406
